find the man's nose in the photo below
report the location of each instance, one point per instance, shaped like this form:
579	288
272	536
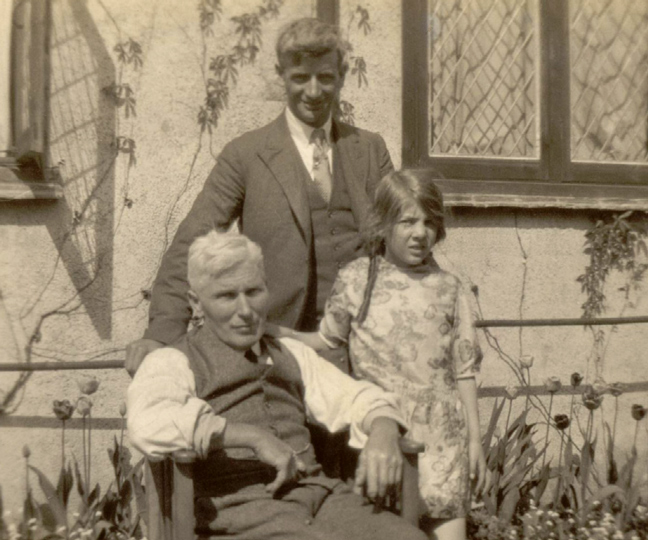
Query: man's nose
243	308
313	88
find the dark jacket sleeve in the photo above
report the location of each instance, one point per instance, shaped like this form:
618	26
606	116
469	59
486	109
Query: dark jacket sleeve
218	205
382	157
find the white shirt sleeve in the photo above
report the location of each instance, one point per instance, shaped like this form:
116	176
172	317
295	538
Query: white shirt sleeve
164	413
338	401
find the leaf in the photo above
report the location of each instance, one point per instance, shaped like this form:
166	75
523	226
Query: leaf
54	502
495	415
80	484
64	485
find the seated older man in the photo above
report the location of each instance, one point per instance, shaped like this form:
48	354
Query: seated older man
242	400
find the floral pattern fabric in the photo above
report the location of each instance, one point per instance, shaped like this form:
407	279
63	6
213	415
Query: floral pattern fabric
418	338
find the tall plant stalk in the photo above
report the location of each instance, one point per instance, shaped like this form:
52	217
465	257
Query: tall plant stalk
544	454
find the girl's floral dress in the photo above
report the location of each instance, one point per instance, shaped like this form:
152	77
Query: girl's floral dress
417	340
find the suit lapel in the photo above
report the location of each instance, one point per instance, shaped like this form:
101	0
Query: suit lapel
282	158
352	157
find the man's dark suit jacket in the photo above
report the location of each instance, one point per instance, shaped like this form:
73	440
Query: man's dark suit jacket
258	178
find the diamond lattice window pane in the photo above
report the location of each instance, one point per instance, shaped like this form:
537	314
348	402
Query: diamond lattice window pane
609	82
483	75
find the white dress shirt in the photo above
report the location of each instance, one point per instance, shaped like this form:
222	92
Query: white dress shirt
301	135
164	413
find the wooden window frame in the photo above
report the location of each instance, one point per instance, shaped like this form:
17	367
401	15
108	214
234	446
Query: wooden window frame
30	176
553	180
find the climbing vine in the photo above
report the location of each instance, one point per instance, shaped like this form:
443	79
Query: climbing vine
615	243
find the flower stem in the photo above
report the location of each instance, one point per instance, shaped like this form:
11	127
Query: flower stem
526	402
89	446
544	454
560	471
85	457
63	446
508	418
571	415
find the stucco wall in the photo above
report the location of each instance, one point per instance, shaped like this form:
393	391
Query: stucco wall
80	264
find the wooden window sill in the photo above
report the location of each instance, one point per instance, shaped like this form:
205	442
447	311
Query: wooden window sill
21	183
537	194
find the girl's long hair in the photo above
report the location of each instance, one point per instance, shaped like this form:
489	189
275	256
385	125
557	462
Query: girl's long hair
393	192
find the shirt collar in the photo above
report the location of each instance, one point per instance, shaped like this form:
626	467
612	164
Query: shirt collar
302	132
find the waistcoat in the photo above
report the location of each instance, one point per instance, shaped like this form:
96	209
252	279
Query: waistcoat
335	239
240	390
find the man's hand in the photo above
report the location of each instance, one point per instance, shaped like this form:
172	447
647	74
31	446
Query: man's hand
268	448
273	451
478	470
136	351
380	465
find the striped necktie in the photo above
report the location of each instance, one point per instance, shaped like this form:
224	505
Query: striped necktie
322	179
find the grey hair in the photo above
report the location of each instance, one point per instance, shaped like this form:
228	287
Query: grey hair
217	253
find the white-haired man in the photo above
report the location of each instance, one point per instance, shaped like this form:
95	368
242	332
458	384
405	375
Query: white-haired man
241	401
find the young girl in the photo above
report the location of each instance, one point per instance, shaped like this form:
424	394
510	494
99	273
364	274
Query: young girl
409	329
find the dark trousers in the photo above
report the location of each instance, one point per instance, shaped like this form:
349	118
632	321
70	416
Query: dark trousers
307	512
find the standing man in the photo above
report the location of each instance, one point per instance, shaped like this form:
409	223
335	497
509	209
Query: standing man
300	187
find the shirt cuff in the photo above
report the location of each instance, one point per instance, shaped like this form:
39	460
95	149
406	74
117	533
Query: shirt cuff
208	434
383	412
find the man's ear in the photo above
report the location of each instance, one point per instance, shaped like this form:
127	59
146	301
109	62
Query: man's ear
194	302
343	72
279	70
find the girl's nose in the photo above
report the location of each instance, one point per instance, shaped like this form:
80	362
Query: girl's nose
419	229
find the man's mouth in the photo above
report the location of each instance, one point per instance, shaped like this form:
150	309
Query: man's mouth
246	328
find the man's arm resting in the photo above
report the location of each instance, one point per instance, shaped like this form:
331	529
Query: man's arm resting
268	448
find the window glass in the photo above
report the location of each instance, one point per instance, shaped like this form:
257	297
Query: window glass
609	80
483	78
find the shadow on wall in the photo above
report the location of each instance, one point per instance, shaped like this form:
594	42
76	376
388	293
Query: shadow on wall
82	128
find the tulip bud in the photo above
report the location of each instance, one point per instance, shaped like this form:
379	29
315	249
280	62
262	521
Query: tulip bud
26	452
576	379
600	386
616	389
561	421
122	409
638	412
512	392
84	405
591	399
63	409
552	384
526	361
88	386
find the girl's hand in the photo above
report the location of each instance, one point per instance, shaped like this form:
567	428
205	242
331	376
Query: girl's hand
478	471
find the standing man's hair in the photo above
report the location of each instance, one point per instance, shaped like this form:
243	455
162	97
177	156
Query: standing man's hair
216	253
310	37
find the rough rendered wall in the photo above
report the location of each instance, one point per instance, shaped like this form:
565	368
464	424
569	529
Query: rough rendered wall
80	264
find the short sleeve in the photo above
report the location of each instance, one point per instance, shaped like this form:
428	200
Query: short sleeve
466	351
336	323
